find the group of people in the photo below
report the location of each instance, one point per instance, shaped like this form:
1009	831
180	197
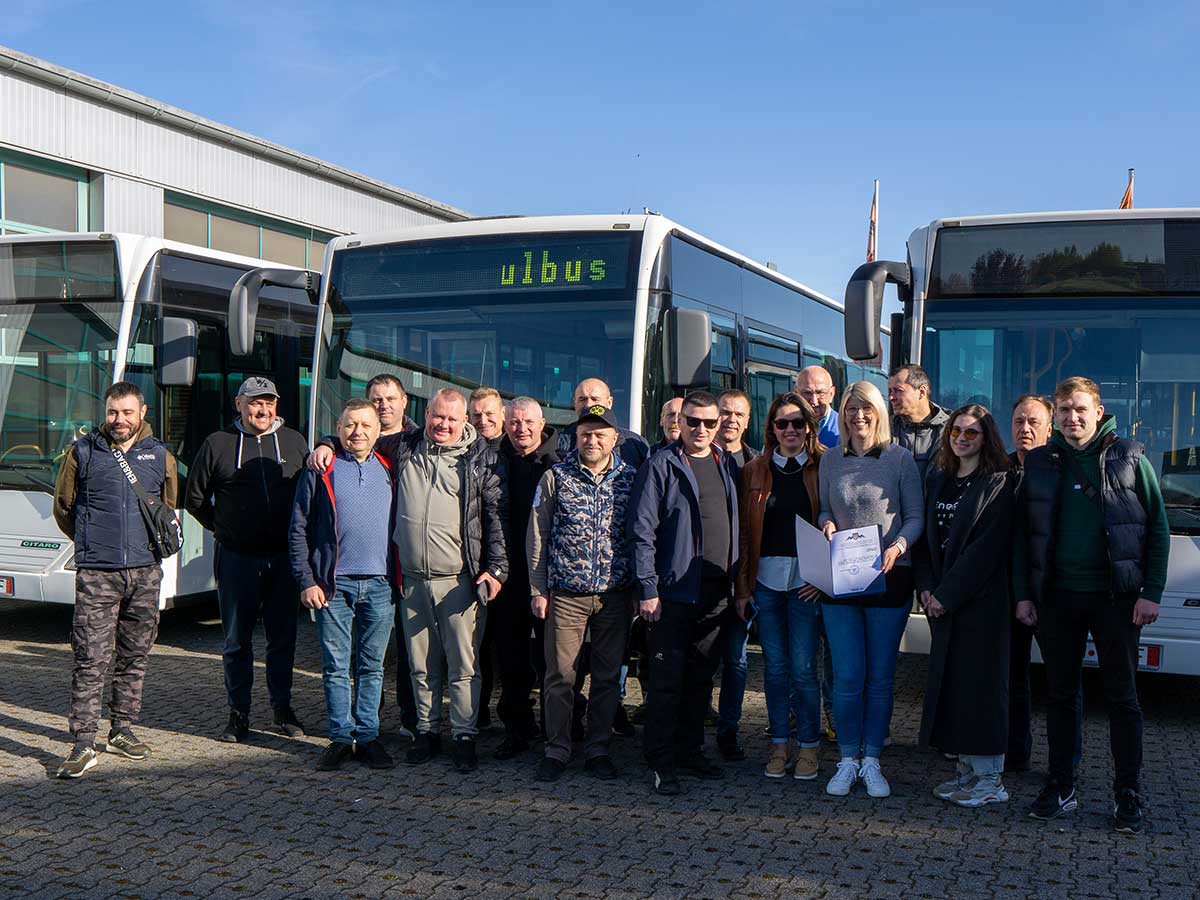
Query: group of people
553	543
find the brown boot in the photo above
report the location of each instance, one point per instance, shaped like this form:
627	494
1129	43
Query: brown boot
777	761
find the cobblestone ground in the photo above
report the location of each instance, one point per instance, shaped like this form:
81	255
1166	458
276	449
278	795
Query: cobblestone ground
205	819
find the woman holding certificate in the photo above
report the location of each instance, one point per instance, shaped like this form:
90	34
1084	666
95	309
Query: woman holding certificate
871	488
962	575
776	487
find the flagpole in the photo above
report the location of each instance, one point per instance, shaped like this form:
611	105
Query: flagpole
1127	197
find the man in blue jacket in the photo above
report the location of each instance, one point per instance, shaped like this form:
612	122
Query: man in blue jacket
341	555
684	546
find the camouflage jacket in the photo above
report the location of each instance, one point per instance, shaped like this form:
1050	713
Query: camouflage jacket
576	538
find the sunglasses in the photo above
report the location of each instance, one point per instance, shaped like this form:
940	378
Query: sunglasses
790	424
969	433
696	422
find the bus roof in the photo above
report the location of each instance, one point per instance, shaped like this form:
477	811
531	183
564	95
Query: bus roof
144	241
1078	215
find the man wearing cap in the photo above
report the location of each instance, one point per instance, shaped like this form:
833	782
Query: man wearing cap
580	580
241	487
631	446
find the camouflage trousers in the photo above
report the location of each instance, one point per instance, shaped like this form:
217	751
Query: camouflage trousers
121	607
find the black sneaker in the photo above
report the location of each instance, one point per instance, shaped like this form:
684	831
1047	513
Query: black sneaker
730	748
513	745
82	758
125	743
601	767
425	747
463	754
666	782
333	756
1127	812
1053	801
374	755
237	729
550	769
286	721
621	726
700	766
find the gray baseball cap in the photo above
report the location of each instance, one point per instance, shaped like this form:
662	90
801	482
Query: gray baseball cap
257	386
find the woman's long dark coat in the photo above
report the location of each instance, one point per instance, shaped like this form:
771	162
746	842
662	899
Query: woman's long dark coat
966	698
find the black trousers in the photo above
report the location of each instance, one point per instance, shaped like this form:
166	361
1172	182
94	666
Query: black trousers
685	652
522	659
1063	625
249	587
1020	700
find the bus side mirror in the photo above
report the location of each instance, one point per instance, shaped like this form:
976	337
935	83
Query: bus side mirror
688	334
243	301
864	305
175	352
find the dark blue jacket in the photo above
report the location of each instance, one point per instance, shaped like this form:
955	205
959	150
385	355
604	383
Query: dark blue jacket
100	507
312	536
663	527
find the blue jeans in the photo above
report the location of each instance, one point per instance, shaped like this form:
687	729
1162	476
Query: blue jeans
787	630
359	610
735	634
865	642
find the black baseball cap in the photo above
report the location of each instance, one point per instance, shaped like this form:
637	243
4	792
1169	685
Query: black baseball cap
598	413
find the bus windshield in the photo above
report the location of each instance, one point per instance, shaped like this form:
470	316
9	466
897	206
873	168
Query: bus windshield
59	321
1142	353
530	315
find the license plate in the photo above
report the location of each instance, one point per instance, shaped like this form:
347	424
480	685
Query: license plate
7	587
1149	657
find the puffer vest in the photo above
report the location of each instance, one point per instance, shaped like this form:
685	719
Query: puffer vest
1124	515
110	532
587	533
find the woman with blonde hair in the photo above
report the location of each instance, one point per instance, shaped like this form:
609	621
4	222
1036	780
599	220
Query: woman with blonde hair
864	481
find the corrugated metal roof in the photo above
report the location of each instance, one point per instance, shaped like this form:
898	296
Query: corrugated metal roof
75	84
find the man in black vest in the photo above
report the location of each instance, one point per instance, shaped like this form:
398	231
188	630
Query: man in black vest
1092	557
241	487
117	574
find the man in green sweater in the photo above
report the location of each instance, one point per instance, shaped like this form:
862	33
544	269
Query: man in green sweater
1091	556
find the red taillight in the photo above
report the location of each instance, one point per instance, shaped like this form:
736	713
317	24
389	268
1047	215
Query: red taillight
1153	657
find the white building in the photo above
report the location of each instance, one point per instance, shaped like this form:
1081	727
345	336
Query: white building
77	154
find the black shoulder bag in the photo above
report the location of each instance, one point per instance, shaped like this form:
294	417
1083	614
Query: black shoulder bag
166	534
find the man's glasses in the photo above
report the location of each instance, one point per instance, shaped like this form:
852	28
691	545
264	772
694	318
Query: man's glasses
696	422
969	433
816	394
790	425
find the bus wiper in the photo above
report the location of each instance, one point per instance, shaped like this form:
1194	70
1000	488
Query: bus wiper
25	470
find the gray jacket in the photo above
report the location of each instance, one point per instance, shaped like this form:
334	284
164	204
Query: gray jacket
921	439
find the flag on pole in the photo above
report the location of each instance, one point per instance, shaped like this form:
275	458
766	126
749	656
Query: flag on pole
872	231
1127	198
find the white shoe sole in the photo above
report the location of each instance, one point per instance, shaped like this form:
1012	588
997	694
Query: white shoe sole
87	765
973	802
837	790
780	775
109	748
878	794
812	777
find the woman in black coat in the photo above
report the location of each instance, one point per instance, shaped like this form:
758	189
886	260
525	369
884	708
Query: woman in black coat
961	570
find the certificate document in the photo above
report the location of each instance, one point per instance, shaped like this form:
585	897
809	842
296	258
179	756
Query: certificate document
856	561
850	565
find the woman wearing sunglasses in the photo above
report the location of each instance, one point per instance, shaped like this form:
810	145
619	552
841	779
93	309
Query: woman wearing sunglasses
865	481
775	488
961	569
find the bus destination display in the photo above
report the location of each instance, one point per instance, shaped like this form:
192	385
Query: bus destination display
541	263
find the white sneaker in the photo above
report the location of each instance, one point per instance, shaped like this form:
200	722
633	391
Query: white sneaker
963	778
872	777
984	790
843	779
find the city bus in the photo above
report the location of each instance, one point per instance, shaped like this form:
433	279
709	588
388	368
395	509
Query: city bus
532	306
999	306
81	311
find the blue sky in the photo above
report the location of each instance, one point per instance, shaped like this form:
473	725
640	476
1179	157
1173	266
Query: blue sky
761	125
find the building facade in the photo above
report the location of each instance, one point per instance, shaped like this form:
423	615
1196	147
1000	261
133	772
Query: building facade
78	154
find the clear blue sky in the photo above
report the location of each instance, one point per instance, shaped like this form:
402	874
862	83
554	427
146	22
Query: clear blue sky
759	124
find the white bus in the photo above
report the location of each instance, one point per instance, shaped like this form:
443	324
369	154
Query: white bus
80	311
531	306
999	306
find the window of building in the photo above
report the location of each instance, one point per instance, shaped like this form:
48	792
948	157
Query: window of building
38	196
191	221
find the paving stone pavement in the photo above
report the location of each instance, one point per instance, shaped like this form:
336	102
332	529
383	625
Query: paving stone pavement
207	820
